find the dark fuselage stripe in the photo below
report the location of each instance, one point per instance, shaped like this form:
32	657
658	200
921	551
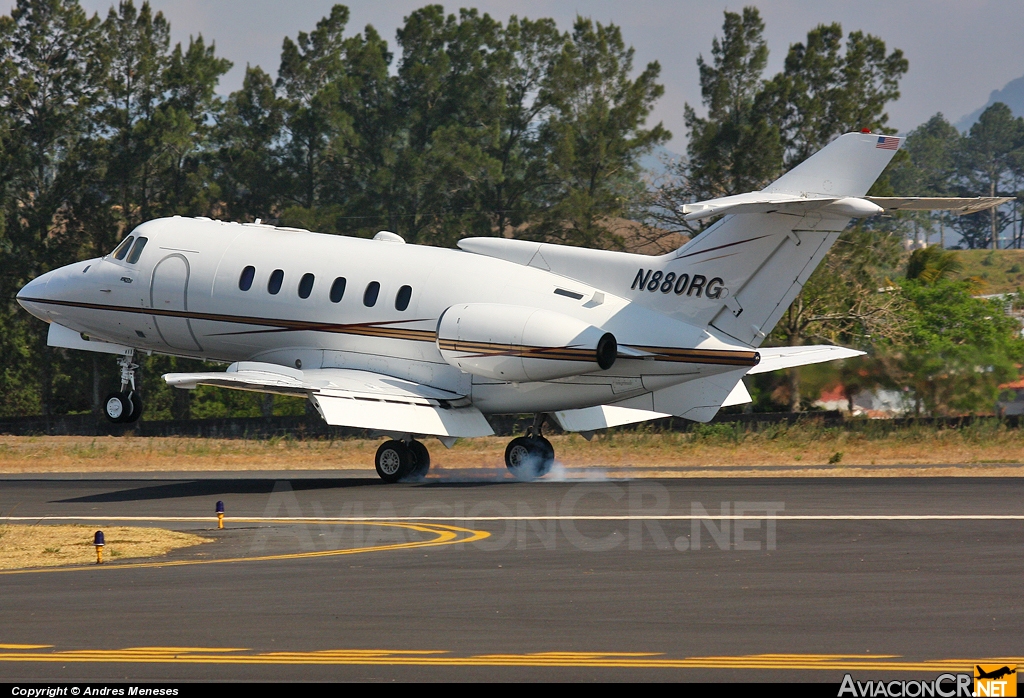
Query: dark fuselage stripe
376	329
720	247
369	329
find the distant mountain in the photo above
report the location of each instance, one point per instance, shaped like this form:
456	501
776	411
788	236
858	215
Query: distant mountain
1012	96
656	162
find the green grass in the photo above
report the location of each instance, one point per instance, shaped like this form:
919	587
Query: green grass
1001	271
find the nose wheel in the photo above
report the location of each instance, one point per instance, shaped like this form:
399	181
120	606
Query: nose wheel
530	457
124	406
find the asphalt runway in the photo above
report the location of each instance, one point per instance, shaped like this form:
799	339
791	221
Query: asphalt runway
319	577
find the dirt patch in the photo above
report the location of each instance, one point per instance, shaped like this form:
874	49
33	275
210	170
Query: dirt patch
23	546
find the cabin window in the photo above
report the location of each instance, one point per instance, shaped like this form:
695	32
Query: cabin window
370	296
403	298
338	290
137	249
306	285
122	249
276	279
245	280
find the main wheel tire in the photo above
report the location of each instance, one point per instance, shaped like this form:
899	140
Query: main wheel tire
137	407
547	452
529	457
421	458
118	408
394	461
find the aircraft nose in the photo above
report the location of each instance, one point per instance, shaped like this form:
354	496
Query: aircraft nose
36	288
33	291
53	285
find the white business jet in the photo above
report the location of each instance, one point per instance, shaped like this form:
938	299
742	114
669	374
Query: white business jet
410	341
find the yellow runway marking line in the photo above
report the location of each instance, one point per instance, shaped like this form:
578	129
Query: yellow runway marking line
571	517
379	657
24	647
445	535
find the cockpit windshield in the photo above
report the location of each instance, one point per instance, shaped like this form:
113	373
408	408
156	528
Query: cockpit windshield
121	250
140	245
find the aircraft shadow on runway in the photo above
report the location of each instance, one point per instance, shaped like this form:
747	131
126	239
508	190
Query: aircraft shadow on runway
210	488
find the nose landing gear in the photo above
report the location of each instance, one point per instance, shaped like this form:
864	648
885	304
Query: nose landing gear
530	457
124	407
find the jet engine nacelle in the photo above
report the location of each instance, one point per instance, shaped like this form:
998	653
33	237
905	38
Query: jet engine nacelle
521	344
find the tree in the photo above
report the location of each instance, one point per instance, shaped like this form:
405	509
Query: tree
248	137
958	348
824	92
990	153
848	299
927	165
933	264
734	149
185	124
595	134
366	191
137	45
527	50
53	68
447	102
318	130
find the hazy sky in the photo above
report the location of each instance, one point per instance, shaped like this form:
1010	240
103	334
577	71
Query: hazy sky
959	50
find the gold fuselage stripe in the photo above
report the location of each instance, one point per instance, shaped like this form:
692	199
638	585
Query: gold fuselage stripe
725	357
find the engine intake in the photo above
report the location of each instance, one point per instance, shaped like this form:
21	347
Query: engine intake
521	344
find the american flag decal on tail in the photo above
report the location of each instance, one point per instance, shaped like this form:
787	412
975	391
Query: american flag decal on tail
888	143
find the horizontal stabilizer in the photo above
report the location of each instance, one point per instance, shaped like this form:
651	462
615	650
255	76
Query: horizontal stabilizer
775	358
767	202
959	206
360	399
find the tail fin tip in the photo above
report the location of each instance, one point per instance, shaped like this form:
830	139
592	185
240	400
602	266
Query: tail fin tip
847	166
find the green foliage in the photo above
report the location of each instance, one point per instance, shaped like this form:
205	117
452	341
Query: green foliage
756	129
736	148
595	134
987	161
958	348
825	91
932	264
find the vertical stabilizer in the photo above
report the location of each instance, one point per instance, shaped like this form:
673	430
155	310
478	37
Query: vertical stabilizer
847	166
762	260
740	275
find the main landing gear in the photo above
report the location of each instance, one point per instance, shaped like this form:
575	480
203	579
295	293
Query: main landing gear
527	457
124	407
402	460
530	457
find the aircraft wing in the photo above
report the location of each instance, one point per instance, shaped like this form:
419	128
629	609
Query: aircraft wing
960	206
351	398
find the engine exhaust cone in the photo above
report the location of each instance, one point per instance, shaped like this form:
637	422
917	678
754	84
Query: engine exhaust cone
607	351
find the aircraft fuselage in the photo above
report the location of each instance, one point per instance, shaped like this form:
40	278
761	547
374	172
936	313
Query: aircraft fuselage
229	292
